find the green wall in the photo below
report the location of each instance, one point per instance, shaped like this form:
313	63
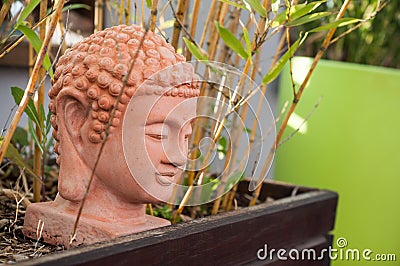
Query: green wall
350	144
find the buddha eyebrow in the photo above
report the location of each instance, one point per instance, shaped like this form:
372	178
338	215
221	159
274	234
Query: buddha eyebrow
169	123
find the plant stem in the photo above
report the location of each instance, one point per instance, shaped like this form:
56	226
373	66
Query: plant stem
296	99
177	25
4	10
193	25
153	15
98	15
30	88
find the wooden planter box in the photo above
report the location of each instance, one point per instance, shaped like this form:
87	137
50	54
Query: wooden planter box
297	218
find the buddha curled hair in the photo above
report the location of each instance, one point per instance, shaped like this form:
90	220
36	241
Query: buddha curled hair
92	71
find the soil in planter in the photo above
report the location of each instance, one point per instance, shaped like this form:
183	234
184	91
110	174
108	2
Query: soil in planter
14	246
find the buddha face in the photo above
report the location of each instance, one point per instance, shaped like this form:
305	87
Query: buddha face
156	133
144	158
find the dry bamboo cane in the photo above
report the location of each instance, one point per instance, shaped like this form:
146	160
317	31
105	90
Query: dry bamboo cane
228	154
142	15
98	15
210	17
37	159
128	13
243	114
153	13
228	203
4	10
214	36
177	26
193	25
198	132
30	88
121	11
297	97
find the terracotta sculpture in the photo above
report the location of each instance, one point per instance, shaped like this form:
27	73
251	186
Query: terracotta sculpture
88	81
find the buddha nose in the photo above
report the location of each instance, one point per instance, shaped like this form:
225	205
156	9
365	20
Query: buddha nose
173	153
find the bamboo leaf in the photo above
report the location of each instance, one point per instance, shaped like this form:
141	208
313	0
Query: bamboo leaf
194	50
247	40
149	3
231	41
34	136
274	72
27	11
336	24
37	44
13	154
306	9
307	19
76	6
296	11
257	6
234	4
30	109
48	124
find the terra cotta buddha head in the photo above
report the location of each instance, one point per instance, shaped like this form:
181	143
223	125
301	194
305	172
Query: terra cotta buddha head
88	81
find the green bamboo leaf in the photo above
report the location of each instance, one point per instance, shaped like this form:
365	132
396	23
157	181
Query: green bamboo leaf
276	70
34	136
149	3
234	4
30	109
37	44
76	6
307	9
27	11
307	19
194	50
231	41
48	124
247	40
257	6
336	24
296	11
13	154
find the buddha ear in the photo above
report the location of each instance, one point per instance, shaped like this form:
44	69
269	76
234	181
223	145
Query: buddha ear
73	170
74	119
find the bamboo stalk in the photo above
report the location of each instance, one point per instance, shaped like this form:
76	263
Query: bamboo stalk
217	202
98	15
142	15
4	10
153	15
38	162
207	23
236	137
297	97
128	13
214	36
121	11
193	25
177	26
30	88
